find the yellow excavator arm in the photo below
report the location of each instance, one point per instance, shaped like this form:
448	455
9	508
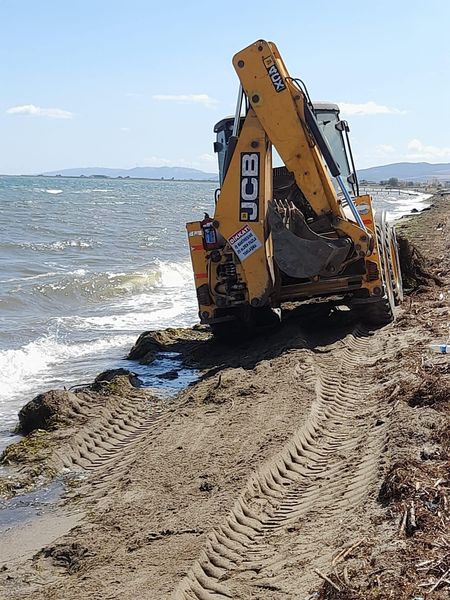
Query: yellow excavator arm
285	233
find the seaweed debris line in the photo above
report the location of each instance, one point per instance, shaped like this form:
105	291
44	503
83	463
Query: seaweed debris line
310	463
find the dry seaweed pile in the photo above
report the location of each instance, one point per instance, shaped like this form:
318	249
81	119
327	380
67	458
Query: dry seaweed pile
414	562
416	272
417	563
419	494
417	498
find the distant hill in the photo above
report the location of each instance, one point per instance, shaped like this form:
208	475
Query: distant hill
419	172
137	172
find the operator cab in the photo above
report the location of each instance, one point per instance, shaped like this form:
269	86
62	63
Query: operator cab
223	130
332	127
336	132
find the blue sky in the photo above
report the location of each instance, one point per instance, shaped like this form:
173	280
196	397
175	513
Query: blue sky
120	84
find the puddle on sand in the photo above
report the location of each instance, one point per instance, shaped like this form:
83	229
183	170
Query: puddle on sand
26	507
166	374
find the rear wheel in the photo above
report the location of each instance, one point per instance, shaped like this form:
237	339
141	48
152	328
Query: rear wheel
247	322
396	273
381	312
227	331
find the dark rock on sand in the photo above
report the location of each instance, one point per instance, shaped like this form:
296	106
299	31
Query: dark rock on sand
57	408
47	411
111	375
173	374
147	346
183	340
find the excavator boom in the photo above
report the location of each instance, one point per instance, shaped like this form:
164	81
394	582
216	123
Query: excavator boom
286	233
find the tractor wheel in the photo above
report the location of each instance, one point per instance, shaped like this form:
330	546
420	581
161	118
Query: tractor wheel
247	323
381	312
394	263
227	331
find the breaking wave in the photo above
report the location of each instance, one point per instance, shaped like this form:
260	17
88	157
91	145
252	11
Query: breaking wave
94	287
25	368
398	203
159	296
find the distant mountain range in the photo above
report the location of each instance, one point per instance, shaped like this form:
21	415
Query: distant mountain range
417	172
137	172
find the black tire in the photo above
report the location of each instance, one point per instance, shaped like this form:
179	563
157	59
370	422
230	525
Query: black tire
381	312
394	264
247	322
377	314
227	331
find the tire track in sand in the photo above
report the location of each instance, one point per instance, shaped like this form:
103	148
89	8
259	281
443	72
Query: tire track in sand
113	442
110	429
104	433
272	539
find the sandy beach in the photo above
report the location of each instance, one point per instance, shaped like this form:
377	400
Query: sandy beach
309	463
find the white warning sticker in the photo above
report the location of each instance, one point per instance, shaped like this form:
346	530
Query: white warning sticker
244	242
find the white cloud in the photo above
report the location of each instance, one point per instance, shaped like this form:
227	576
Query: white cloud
158	161
413	151
419	151
208	158
368	108
202	99
125	129
38	111
385	149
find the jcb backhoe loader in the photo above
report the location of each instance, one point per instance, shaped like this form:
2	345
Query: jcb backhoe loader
291	233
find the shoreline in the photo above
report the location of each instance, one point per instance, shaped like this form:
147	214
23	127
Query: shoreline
107	178
50	347
194	459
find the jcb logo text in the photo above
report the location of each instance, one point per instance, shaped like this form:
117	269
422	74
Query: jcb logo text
249	204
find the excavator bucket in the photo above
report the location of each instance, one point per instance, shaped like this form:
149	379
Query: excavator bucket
300	252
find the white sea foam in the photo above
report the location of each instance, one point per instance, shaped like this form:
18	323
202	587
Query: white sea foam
127	321
78	272
175	274
54	191
154	318
156	299
401	202
60	245
22	369
29	277
80	283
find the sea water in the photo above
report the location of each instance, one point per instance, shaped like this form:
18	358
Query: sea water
86	265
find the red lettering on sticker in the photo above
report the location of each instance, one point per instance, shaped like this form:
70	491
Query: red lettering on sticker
201	276
234	238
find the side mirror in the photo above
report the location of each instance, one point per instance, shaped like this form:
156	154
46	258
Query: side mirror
342	126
